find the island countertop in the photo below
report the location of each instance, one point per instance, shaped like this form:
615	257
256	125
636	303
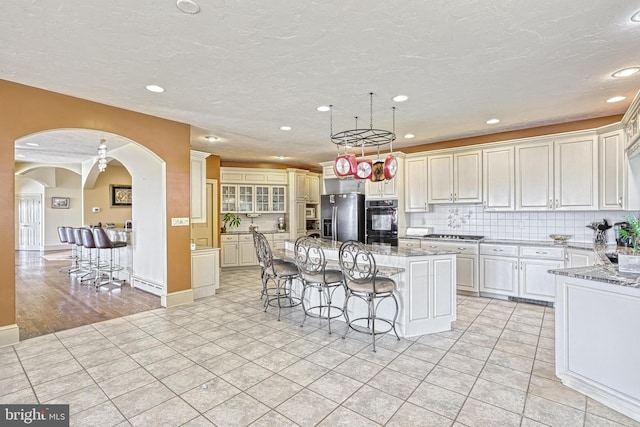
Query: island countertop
387	250
601	273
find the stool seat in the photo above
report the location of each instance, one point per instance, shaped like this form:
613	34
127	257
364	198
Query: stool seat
382	284
330	276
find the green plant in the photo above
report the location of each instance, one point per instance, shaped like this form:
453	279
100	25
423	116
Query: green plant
232	219
632	233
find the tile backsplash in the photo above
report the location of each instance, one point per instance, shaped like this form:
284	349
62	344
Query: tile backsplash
265	222
471	219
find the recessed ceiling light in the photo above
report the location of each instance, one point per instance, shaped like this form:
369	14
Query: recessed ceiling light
32	144
400	98
616	99
155	88
636	17
323	108
21	156
493	121
188	6
285	127
409	136
211	138
626	72
280	157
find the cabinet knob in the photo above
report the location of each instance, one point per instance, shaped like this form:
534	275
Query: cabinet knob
620	201
557	204
498	250
550	204
541	252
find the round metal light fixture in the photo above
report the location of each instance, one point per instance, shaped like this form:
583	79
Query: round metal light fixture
409	136
636	17
493	121
323	108
211	138
400	98
155	88
285	127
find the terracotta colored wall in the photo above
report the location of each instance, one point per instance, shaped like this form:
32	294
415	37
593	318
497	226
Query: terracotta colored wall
25	110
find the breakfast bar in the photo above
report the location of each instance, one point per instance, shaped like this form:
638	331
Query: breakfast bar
425	285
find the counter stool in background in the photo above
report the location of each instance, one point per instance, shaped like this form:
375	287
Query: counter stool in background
103	241
85	259
75	249
89	244
311	263
280	273
62	236
360	274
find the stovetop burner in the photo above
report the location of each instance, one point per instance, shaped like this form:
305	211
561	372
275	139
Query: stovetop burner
454	236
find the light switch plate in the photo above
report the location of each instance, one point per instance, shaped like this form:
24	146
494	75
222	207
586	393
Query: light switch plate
178	222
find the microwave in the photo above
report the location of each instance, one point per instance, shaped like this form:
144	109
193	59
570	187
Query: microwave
310	212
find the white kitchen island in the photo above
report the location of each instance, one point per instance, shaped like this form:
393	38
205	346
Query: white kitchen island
425	286
598	335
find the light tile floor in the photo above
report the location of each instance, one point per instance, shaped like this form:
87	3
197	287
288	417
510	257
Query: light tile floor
222	361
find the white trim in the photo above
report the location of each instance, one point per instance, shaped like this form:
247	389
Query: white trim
177	298
58	247
9	335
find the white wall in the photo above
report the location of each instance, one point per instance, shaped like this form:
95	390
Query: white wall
471	219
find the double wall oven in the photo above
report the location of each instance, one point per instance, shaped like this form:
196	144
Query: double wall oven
382	222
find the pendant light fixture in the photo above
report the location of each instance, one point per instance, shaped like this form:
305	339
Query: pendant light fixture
102	155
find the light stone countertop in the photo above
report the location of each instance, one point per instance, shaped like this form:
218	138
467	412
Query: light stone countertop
388	250
601	273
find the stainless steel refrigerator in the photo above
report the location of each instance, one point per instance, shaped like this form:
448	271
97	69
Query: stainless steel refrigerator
342	217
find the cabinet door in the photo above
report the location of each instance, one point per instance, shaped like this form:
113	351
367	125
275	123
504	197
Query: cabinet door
263	202
612	171
278	199
498	179
301	220
198	179
535	281
580	258
247	253
499	275
440	182
576	174
534	177
466	273
415	187
467	180
228	198
314	189
245	198
302	186
229	254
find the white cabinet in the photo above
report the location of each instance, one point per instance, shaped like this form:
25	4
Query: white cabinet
612	171
576	174
198	181
263	198
387	189
253	198
313	191
205	272
252	176
466	262
498	179
239	249
409	243
246	250
301	186
301	220
229	250
580	257
455	178
245	198
535	281
278	199
534	176
415	188
499	275
228	198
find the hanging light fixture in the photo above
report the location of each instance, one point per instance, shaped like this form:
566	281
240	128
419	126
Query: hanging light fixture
102	155
346	164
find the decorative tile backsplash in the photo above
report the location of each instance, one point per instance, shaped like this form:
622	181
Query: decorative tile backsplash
471	219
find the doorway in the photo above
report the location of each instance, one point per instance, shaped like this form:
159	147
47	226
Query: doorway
29	222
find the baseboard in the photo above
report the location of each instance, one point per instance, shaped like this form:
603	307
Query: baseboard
177	298
58	247
9	335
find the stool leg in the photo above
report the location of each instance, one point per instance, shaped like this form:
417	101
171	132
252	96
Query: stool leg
395	300
346	316
372	314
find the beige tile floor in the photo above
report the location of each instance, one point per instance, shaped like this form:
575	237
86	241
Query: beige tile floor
222	361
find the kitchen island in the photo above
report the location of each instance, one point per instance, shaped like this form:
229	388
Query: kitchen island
425	286
598	334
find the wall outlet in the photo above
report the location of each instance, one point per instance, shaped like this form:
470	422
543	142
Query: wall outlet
179	222
95	210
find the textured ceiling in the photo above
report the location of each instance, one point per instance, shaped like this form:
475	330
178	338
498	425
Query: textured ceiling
241	69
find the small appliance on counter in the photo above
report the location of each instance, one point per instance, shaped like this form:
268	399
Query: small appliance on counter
281	226
599	231
622	241
128	225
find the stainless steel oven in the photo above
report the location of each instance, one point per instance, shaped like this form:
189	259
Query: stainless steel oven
382	222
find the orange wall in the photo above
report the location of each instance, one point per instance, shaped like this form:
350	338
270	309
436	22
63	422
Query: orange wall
25	110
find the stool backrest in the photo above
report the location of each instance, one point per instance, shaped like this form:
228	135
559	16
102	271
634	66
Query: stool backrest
101	239
62	235
70	235
263	251
357	263
77	235
87	238
309	257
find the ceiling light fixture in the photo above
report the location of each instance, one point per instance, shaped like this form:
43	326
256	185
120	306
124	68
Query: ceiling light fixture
155	88
102	155
32	144
400	98
285	127
626	72
409	136
636	17
188	6
323	108
280	157
346	163
211	138
493	121
616	99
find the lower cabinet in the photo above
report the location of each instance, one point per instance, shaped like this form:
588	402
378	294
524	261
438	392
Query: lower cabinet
205	269
246	250
238	250
229	249
580	257
499	275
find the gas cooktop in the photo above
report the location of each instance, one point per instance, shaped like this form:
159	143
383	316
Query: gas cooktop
454	236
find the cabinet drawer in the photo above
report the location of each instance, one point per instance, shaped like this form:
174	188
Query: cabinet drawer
499	250
409	243
229	237
541	252
245	237
280	237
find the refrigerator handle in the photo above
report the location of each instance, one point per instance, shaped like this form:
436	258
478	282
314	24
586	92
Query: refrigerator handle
334	223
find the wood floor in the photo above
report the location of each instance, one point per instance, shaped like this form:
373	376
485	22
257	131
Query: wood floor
49	301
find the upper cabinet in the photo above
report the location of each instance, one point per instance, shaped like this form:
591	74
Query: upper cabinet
313	188
612	171
199	186
455	177
415	188
557	175
249	190
498	183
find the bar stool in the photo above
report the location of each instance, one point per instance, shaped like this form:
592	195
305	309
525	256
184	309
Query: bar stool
281	274
62	236
360	274
85	264
103	241
256	237
311	262
89	243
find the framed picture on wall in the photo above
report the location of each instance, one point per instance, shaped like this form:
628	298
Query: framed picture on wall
59	203
120	195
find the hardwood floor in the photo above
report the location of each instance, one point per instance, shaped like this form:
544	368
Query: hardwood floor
49	300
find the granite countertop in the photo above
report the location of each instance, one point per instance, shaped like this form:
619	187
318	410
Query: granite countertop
488	240
388	250
259	231
601	273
